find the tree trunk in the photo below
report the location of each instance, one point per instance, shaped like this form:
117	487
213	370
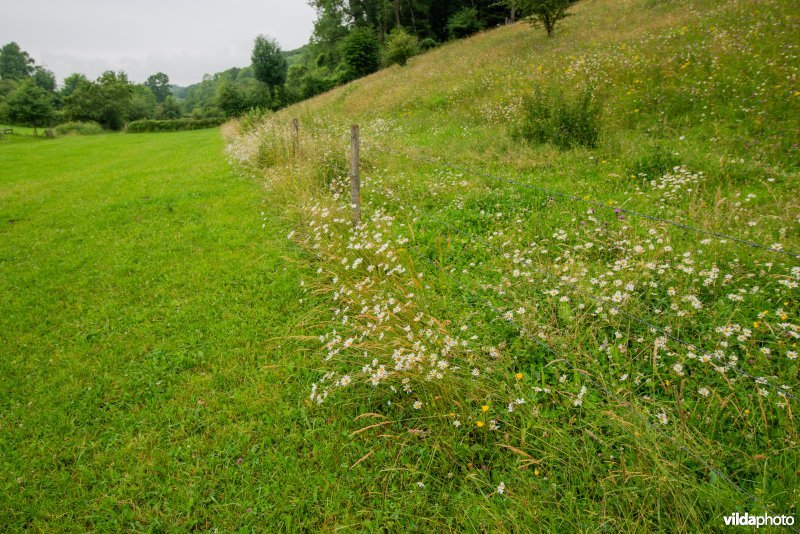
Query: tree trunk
383	22
413	18
397	13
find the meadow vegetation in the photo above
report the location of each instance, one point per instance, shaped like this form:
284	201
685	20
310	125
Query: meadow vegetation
195	343
504	354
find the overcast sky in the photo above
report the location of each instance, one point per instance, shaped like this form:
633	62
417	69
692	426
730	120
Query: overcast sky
182	38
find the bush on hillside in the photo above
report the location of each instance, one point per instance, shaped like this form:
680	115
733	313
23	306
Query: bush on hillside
552	118
400	46
464	23
428	43
177	125
78	128
360	54
252	118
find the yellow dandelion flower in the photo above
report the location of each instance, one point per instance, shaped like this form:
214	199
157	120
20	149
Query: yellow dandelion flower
480	424
518	376
484	408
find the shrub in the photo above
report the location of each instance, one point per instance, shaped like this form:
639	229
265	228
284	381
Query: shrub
78	128
315	83
464	23
360	53
400	46
177	125
546	13
428	43
552	118
251	119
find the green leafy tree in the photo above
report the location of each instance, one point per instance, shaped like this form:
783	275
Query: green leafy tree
7	87
143	103
230	99
400	46
45	79
116	93
107	101
15	64
546	13
71	83
256	94
269	63
159	84
29	105
169	109
361	53
464	23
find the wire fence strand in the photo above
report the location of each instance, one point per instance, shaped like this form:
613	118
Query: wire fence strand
589	202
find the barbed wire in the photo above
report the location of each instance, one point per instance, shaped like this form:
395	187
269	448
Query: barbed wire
593	203
563	358
691	346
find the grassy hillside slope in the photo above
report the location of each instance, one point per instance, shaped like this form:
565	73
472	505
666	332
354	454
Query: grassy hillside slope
503	355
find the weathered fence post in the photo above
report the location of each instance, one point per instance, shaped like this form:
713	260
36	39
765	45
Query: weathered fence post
296	137
355	175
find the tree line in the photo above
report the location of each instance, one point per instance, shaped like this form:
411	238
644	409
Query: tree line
354	38
29	95
351	39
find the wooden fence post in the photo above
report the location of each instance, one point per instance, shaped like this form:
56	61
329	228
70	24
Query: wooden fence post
296	137
355	175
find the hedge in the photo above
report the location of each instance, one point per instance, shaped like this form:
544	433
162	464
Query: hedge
176	125
78	128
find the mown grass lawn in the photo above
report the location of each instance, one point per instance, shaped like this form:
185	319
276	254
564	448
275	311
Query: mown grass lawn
138	297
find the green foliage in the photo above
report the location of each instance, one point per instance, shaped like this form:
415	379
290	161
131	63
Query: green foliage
426	21
252	118
78	128
143	103
428	43
107	101
159	85
464	23
546	13
256	94
269	63
45	79
230	99
29	105
360	52
315	83
15	63
71	83
168	109
176	125
550	117
7	87
400	47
